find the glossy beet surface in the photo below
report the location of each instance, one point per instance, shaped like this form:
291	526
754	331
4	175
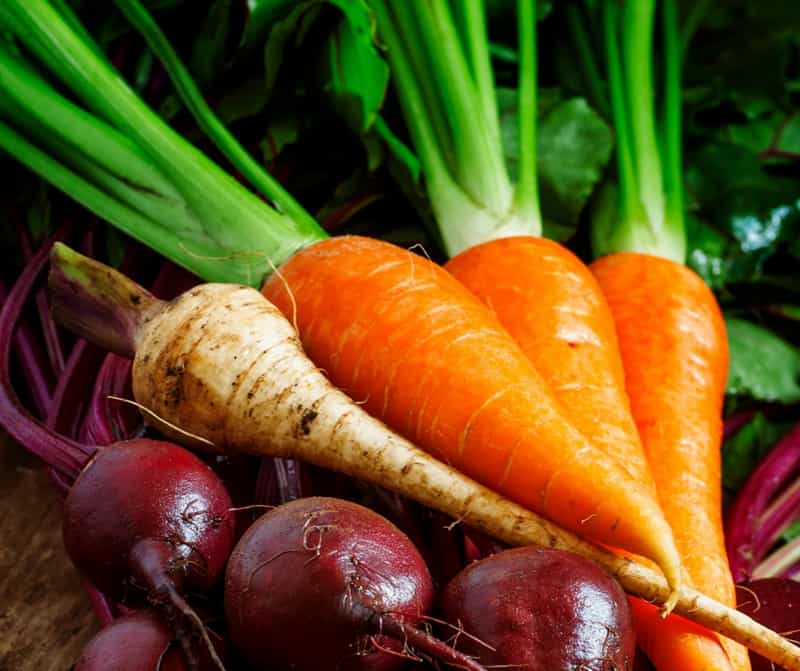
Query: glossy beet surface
541	610
144	507
774	602
138	642
307	583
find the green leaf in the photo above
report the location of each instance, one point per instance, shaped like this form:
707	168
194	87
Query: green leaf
744	216
349	68
573	149
791	532
352	75
763	366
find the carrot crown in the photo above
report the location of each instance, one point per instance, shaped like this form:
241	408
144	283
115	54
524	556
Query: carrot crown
118	158
442	73
645	214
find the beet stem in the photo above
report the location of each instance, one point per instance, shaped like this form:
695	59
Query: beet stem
150	559
30	358
52	342
743	520
425	643
64	455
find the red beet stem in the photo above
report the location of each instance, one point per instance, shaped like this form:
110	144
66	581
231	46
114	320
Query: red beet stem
421	641
30	359
744	518
150	560
106	420
69	397
64	455
48	326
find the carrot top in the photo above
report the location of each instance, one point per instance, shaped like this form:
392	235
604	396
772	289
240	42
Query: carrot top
439	56
121	160
645	213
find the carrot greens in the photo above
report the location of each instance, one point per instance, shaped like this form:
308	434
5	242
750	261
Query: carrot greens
646	212
119	159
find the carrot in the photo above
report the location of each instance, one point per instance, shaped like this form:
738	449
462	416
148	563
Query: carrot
671	335
531	283
550	303
221	368
553	307
675	355
400	334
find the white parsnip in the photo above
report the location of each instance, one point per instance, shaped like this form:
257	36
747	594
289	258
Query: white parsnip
221	363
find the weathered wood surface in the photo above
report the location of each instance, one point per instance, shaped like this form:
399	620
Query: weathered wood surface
45	617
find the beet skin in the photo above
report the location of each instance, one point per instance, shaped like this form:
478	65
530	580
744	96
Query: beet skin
314	584
147	511
541	610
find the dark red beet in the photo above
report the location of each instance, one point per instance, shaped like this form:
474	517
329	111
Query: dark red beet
148	517
774	602
138	642
541	610
315	582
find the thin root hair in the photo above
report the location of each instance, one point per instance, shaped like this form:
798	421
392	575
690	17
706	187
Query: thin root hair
146	411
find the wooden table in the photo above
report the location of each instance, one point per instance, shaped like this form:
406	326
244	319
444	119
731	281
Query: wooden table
45	618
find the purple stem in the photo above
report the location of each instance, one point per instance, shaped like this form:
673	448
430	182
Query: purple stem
30	359
64	455
744	517
785	560
107	420
779	515
289	474
70	398
52	341
53	407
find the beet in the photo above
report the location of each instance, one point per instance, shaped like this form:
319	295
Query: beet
322	583
541	610
138	642
775	603
148	518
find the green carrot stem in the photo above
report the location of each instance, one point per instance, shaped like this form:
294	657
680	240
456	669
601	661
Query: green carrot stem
400	31
671	144
222	218
637	39
476	45
427	140
628	182
527	192
205	117
479	170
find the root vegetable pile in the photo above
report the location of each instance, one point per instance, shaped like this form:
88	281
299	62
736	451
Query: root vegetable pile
518	393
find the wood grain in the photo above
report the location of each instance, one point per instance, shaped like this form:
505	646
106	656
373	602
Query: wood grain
45	617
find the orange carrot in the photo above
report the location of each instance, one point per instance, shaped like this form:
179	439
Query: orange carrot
400	334
550	303
675	355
